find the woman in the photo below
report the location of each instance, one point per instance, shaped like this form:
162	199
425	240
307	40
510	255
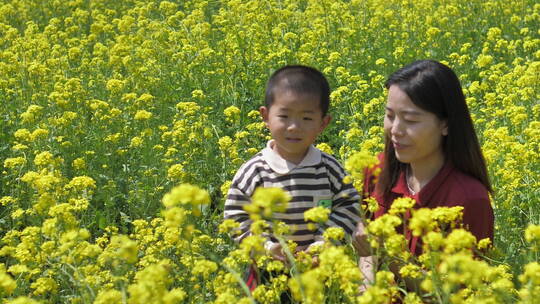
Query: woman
431	151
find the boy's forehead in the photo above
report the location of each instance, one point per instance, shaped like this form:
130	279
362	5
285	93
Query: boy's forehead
287	96
294	102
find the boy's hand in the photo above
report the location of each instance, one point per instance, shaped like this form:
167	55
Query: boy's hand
360	241
276	251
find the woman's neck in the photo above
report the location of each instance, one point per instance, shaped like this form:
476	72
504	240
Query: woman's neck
419	175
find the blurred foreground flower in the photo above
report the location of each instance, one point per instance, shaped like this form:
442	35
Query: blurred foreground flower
266	201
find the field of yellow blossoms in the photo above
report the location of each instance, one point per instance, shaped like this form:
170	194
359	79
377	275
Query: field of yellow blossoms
123	122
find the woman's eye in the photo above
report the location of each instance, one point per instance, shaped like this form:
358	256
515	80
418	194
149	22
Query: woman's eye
282	116
389	116
308	118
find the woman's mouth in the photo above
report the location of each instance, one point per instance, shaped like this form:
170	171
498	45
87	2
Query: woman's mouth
399	146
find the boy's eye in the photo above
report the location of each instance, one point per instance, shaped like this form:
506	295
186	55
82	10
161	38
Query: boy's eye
282	116
389	116
308	118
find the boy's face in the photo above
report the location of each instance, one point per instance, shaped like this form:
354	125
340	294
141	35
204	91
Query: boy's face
295	121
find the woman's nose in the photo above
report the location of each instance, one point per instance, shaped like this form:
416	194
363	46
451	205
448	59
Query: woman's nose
397	127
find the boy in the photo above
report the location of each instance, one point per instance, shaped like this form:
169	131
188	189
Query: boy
295	112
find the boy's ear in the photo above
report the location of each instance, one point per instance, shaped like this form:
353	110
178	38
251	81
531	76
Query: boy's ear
325	121
264	113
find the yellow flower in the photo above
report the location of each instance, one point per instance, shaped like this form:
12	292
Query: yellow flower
334	233
356	165
176	295
197	94
432	32
307	288
384	225
266	201
185	194
258	227
421	221
6	200
459	239
253	243
396	245
44	159
13	162
324	147
126	248
372	204
81	183
44	285
204	268
232	114
484	60
225	187
136	142
176	172
531	283
317	214
23	300
174	216
228	225
484	243
115	85
151	283
143	115
411	271
23	134
493	34
79	163
433	241
225	143
532	235
7	283
401	205
106	296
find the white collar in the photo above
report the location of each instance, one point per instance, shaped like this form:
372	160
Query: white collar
283	166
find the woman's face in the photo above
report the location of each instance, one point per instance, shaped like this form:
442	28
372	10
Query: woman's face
415	134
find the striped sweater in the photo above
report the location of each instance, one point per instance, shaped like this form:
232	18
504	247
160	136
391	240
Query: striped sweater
318	177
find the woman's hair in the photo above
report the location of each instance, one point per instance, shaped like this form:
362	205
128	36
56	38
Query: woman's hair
434	87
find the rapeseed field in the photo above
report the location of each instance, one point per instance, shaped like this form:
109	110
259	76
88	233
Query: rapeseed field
123	122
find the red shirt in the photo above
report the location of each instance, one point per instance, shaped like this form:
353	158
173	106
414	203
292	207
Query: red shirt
449	188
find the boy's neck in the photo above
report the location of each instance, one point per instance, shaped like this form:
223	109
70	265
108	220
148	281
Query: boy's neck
295	159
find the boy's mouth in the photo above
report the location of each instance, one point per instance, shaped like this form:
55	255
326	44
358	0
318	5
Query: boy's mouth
293	139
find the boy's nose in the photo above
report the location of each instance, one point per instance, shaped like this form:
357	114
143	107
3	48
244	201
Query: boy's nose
293	125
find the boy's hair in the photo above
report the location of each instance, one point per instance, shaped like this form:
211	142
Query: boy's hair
299	79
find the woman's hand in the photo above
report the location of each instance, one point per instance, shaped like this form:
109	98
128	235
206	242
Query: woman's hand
360	241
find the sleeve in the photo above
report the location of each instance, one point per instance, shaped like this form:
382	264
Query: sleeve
478	218
238	196
345	212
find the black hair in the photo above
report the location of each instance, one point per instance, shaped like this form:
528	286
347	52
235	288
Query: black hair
300	80
434	87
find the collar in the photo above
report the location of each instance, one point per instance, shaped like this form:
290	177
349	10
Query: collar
283	166
424	196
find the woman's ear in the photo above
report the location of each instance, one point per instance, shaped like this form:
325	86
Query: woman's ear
444	127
